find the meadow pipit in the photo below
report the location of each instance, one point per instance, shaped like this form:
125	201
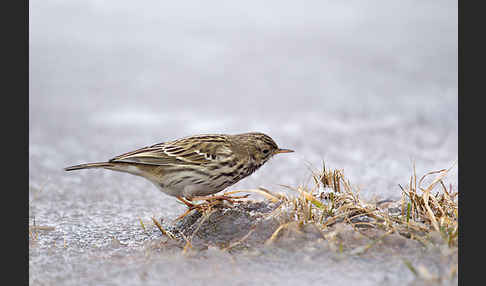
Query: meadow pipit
195	166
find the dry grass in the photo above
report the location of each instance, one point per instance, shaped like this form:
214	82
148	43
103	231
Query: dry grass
332	199
34	231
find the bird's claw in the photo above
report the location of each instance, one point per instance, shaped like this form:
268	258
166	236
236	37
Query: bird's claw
210	201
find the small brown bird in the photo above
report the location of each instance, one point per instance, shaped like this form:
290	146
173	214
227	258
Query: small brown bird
195	166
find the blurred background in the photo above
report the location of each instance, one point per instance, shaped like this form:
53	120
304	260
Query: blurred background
368	87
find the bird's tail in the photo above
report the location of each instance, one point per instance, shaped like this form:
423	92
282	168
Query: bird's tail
89	165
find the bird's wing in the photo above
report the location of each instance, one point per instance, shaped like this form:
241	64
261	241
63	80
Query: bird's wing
179	152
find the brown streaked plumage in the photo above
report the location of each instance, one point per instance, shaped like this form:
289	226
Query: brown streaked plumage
198	165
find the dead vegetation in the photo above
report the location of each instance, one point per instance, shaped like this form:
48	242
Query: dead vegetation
331	199
421	210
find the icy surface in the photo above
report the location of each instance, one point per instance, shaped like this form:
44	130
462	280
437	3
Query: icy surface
368	88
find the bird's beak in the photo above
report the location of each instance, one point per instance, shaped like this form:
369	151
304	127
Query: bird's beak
283	151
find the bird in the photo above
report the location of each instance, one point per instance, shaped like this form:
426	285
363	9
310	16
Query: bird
195	166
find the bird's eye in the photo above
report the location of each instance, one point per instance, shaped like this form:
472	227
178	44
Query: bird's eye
265	151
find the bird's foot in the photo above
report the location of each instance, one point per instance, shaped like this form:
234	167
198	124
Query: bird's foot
210	202
202	207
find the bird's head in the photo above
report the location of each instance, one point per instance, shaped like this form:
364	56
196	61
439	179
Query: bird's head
263	146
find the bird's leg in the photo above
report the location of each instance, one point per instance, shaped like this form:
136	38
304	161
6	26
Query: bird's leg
189	204
190	207
210	201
